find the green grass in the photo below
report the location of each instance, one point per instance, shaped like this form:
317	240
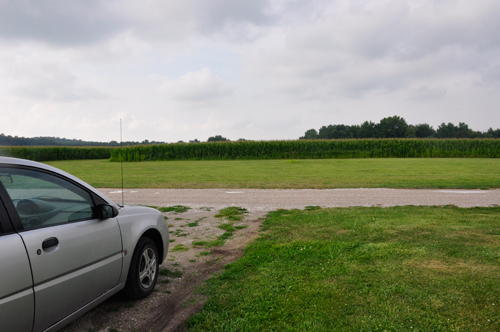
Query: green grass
281	174
363	269
195	223
231	213
170	274
175	208
180	247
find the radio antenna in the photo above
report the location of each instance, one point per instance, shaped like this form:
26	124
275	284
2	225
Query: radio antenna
121	159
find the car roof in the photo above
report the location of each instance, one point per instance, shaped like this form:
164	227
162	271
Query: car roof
9	161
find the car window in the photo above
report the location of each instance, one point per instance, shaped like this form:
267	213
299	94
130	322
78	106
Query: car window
43	199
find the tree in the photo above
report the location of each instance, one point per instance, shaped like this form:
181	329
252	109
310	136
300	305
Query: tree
367	130
310	134
463	131
396	127
423	130
217	138
393	126
493	133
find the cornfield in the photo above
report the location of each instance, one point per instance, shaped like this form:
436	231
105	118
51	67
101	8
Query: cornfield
39	153
299	149
313	149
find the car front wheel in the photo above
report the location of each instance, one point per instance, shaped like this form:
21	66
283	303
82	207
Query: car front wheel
143	271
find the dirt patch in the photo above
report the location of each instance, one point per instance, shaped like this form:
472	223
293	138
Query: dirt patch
184	272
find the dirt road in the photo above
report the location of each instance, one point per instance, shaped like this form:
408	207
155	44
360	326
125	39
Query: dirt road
186	268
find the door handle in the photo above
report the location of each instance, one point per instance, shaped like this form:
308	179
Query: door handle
49	243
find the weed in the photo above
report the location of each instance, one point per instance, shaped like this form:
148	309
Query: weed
195	223
213	261
204	208
190	302
225	236
179	233
179	248
241	227
178	219
192	260
232	213
227	227
165	217
170	274
175	208
312	208
171	240
205	253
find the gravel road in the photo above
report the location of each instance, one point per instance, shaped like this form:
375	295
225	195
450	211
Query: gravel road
262	200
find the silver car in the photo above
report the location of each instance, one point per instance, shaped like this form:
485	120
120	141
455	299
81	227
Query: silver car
65	248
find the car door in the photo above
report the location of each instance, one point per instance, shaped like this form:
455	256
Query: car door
16	285
74	256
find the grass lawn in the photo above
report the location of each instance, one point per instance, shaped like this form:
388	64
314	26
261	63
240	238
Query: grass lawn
298	174
363	269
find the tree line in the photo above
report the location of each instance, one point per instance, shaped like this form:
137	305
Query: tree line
397	127
56	141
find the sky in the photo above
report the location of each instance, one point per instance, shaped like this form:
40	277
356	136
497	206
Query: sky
259	69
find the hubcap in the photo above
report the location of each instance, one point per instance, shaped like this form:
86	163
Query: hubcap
147	268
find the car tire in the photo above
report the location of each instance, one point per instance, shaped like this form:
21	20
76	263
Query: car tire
143	271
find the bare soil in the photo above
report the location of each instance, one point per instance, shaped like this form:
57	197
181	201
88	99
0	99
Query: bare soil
175	299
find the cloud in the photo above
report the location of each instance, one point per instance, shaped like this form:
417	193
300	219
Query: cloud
375	46
197	86
43	80
264	69
59	22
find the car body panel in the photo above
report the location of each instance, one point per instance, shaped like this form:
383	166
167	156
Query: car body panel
16	292
86	263
135	221
68	319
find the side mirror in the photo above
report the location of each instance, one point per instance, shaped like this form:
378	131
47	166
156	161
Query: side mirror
105	211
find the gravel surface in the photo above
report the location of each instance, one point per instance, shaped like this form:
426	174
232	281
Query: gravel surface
175	298
264	200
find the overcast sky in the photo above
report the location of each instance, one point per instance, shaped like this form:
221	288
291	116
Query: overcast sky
254	69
